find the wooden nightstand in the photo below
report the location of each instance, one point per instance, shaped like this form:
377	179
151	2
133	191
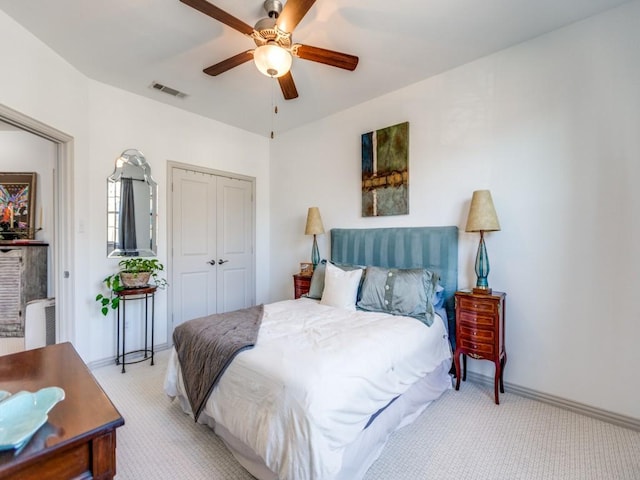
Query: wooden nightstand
301	284
480	333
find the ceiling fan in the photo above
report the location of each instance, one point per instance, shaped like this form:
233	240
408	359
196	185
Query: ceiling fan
274	47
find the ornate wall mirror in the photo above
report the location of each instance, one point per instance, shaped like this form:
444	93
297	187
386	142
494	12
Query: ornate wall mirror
131	207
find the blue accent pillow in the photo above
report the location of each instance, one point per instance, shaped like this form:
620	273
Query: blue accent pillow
438	305
438	297
407	292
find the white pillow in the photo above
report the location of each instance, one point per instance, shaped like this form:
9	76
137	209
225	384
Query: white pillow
341	287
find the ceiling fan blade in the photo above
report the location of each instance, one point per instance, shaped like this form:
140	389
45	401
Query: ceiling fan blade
288	86
292	12
229	63
328	57
220	15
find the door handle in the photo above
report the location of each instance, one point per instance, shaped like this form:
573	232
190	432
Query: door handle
211	262
220	262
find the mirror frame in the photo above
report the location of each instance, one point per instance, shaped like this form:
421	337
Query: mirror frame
130	160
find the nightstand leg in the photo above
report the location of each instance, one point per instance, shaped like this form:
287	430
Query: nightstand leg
504	362
498	380
456	361
464	367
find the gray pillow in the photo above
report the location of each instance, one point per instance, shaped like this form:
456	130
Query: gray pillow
407	292
316	287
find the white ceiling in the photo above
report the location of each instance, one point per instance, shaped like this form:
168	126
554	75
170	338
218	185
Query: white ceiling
131	43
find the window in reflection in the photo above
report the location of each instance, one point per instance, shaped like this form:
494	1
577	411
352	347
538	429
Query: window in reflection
131	207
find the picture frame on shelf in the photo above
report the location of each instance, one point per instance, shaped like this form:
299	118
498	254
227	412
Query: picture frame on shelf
306	269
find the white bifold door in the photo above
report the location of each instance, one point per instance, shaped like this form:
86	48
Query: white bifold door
212	231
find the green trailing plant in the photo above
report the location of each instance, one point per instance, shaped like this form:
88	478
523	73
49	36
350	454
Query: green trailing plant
135	266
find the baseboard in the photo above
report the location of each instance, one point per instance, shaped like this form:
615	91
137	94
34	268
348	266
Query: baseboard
581	408
111	361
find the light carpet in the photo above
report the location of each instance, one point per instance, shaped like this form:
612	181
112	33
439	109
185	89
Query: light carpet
461	436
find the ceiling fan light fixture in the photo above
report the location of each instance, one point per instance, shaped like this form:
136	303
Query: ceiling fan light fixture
272	60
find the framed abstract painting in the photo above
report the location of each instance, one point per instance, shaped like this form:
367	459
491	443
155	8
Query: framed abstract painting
17	205
385	171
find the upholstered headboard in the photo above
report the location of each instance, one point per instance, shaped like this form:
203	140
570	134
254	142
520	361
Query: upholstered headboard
433	248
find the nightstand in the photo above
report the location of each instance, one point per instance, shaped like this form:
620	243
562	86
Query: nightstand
480	333
301	284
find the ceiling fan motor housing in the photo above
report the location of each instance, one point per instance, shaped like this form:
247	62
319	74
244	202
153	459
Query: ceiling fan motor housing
273	8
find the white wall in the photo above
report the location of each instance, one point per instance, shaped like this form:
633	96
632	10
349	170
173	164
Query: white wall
551	128
104	121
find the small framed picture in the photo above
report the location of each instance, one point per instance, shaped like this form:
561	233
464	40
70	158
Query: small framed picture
17	205
306	269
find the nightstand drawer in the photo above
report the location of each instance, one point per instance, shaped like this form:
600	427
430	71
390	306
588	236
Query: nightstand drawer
478	306
476	334
476	347
472	318
301	285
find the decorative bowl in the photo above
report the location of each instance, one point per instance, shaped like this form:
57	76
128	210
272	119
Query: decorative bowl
22	414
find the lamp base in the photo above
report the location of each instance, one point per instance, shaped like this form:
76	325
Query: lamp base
482	291
315	253
482	269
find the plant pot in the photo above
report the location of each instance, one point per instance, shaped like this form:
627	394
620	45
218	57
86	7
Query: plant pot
134	280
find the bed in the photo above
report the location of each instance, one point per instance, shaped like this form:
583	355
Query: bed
326	384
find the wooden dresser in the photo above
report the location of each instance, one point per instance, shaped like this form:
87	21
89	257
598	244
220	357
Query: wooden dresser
301	285
79	439
480	333
23	277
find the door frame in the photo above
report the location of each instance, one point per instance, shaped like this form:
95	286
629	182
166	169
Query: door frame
207	171
63	262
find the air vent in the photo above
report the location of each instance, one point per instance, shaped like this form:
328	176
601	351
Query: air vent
168	90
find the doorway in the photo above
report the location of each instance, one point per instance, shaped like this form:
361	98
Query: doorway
62	263
211	242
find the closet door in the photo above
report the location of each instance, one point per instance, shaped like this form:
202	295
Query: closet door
212	240
193	279
234	244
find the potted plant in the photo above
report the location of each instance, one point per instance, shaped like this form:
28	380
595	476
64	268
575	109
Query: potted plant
135	272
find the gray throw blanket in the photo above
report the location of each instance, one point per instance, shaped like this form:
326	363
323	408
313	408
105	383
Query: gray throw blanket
207	345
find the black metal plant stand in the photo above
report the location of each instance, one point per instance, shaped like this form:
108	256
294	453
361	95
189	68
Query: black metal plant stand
127	295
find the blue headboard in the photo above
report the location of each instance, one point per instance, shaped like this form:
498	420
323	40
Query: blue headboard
433	248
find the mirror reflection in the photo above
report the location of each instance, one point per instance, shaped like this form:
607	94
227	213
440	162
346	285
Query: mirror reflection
131	207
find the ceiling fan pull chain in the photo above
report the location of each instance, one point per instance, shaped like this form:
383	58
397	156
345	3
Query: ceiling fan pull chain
275	112
271	119
274	107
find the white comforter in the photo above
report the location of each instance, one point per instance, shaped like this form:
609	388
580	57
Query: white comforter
313	380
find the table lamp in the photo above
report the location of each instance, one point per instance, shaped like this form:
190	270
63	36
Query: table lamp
314	227
482	218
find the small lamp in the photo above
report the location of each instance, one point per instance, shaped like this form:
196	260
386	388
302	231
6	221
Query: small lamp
482	218
314	227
